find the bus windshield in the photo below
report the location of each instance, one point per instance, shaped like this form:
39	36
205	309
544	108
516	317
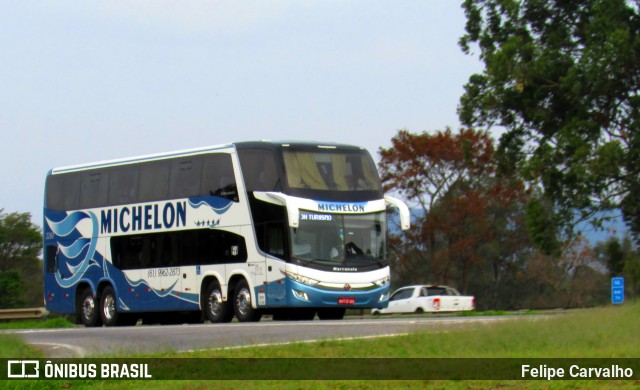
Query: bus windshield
336	240
333	170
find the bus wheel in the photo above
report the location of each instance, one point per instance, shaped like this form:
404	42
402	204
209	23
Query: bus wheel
331	314
88	309
242	304
215	308
108	310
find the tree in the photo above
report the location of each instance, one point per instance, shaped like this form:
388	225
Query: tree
563	79
442	175
11	287
20	240
621	259
20	246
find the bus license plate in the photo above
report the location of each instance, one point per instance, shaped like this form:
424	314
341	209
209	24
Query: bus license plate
346	301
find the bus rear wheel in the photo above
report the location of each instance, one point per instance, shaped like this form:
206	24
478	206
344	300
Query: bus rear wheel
215	308
242	304
88	308
109	310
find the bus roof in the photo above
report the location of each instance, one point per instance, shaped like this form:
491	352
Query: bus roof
196	151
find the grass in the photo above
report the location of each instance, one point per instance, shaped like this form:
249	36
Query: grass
12	346
609	332
57	322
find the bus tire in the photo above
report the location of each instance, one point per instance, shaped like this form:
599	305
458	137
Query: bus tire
242	303
216	310
89	309
331	314
108	307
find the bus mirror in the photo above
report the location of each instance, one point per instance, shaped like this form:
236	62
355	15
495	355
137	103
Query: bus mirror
293	210
405	215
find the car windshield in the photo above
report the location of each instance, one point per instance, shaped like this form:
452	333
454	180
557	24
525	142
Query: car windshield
337	240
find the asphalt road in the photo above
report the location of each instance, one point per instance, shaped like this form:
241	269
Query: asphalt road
121	341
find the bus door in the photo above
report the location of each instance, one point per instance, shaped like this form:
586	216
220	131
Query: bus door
271	269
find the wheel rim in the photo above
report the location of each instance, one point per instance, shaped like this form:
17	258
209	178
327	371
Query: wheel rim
109	307
215	303
243	301
88	307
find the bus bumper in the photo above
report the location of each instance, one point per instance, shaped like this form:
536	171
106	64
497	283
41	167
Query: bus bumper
302	295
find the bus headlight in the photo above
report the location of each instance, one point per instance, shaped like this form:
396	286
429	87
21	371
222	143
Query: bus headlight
382	282
300	278
301	295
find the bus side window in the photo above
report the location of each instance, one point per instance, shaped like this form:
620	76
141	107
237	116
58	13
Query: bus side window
127	252
154	181
218	178
52	259
219	247
63	191
259	170
188	247
185	178
94	189
123	185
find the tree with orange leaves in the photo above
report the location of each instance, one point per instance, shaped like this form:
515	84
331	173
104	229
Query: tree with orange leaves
450	179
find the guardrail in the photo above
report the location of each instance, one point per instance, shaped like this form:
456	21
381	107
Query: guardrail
21	314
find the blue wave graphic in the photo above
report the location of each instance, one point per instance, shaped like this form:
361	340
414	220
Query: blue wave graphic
159	293
72	251
188	297
68	224
64	228
217	204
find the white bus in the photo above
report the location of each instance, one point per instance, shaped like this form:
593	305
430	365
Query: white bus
244	229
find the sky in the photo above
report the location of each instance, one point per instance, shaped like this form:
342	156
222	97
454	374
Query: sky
85	81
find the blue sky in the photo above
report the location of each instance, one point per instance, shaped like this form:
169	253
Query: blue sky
84	81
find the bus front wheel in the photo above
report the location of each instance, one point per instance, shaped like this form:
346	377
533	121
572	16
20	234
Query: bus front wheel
215	308
242	303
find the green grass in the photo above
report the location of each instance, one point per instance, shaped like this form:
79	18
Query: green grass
57	322
610	332
11	346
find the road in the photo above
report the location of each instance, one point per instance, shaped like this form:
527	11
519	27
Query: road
121	341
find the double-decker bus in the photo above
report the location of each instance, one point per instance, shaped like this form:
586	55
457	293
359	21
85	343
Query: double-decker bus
244	229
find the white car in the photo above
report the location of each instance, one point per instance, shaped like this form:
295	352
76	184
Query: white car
427	298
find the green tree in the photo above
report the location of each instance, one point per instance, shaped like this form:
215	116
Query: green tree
20	246
11	288
621	259
562	78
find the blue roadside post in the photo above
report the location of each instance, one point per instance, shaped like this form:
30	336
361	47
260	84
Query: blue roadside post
617	290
